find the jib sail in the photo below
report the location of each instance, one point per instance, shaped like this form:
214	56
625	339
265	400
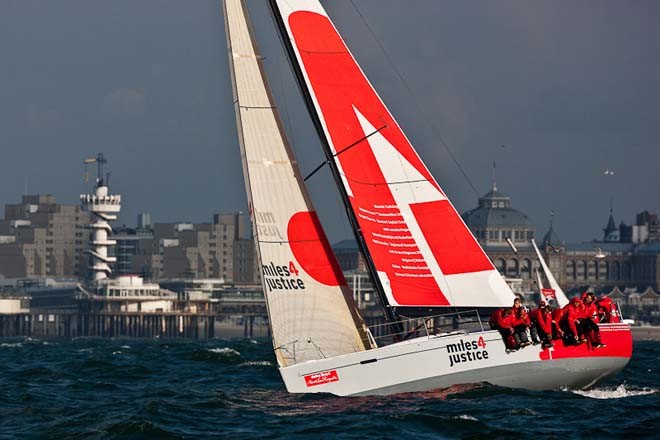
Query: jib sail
421	252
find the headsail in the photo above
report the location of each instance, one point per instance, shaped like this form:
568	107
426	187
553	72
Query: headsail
421	251
311	311
561	297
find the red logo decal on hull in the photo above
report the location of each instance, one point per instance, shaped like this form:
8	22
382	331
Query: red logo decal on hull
321	378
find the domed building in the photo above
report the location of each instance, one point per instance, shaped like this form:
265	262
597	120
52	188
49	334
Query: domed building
494	220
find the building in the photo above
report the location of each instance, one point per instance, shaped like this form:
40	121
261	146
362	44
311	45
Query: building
217	250
130	242
505	233
41	238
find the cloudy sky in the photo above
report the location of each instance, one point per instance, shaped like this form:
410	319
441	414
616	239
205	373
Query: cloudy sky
555	92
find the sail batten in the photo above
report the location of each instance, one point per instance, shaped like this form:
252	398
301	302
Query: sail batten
421	251
311	311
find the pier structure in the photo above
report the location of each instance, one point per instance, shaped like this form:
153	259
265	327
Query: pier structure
103	208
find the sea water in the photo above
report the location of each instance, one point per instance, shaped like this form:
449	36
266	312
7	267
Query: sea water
139	389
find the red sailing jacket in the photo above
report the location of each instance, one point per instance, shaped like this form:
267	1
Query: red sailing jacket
607	307
574	311
591	312
543	319
521	319
500	321
557	315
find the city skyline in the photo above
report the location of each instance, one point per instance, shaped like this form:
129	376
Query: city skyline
557	94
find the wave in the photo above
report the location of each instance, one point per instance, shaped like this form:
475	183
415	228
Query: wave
466	417
218	354
11	345
615	393
256	364
224	350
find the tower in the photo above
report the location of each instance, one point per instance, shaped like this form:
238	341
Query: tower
103	208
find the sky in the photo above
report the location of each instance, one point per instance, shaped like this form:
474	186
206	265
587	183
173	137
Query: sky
554	92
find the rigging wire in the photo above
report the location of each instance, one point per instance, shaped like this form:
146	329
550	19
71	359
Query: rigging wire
415	100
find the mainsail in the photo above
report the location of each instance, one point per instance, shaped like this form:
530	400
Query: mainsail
311	311
420	251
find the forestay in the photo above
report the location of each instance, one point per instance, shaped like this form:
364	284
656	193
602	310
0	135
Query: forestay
311	311
423	253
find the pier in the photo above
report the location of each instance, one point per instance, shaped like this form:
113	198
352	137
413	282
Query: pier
134	325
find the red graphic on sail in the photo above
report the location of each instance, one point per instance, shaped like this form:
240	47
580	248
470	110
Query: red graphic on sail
548	294
312	250
412	242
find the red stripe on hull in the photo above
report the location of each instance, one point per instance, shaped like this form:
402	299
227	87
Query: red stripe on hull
618	341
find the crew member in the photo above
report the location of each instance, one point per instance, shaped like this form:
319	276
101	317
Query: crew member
557	317
520	323
573	315
542	325
607	310
501	321
589	321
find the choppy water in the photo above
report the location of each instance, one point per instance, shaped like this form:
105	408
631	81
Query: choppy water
106	389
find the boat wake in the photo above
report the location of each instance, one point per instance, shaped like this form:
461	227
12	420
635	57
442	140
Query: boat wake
615	393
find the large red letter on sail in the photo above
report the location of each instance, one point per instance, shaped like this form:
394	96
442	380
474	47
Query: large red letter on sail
414	235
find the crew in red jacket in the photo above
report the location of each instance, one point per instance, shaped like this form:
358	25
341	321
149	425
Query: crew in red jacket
557	317
520	323
573	314
589	321
542	325
607	310
501	321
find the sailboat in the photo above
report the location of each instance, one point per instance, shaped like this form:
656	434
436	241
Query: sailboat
554	292
418	251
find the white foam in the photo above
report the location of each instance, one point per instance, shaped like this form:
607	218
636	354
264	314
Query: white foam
614	393
257	363
467	417
7	344
224	350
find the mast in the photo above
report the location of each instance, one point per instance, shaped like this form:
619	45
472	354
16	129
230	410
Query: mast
390	312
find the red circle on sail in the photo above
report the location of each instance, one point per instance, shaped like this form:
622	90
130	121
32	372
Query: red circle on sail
312	250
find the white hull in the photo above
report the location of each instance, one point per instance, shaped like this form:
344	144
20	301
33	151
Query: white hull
428	363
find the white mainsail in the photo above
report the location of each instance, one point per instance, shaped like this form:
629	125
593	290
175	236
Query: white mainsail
311	311
421	251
